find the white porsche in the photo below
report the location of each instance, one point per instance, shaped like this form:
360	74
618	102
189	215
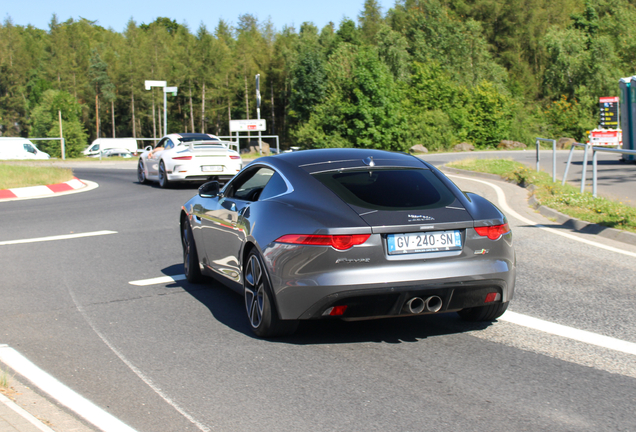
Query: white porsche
188	157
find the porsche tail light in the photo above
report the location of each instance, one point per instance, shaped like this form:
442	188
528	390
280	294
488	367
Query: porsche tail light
493	232
234	157
339	242
182	158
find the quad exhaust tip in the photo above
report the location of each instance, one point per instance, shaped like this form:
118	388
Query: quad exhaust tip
417	305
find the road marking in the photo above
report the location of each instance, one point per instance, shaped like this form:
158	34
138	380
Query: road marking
59	237
569	332
135	369
501	199
24	414
67	397
158	280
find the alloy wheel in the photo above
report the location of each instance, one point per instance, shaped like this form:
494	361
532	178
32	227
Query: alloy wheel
254	291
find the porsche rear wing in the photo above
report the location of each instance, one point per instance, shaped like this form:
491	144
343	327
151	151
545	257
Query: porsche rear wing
227	144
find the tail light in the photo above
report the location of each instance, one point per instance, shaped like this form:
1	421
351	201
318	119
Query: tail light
339	242
234	157
182	158
493	232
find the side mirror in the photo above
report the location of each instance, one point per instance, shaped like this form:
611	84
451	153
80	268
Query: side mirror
209	190
148	148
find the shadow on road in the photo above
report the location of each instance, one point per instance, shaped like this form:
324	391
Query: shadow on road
228	308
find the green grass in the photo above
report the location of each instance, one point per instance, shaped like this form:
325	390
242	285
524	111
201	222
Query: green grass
15	176
566	199
4	379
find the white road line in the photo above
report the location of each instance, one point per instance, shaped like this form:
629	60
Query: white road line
24	414
570	332
135	369
59	237
67	397
158	280
501	200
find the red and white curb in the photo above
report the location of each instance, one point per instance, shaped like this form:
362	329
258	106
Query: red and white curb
42	191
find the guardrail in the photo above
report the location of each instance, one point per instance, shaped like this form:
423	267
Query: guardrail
538	141
51	139
595	150
567	166
237	137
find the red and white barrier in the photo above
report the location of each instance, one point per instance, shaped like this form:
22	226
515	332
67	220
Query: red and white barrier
37	191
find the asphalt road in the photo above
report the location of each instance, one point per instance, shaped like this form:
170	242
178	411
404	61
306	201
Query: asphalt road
181	357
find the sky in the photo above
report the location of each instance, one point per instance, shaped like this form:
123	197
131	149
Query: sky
115	14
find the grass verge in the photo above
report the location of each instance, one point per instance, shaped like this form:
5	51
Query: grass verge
15	176
564	198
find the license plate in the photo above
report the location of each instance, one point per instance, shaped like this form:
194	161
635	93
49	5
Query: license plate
211	168
433	241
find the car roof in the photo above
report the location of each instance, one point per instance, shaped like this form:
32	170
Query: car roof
318	160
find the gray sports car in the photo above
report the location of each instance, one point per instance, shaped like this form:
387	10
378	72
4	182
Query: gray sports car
350	234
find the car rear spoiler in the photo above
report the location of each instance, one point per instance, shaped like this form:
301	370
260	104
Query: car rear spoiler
227	144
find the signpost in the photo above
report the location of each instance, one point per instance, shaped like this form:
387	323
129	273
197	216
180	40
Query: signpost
152	83
608	109
248	125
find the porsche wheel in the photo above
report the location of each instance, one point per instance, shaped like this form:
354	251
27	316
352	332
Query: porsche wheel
141	173
190	256
484	313
163	176
259	304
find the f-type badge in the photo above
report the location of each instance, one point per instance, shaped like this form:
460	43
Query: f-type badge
420	218
353	260
481	252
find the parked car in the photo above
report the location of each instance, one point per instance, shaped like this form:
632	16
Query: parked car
348	234
117	152
104	144
20	148
188	157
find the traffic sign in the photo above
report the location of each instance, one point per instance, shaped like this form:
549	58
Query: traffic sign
248	125
608	110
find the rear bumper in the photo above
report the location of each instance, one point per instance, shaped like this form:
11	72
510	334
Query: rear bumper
391	302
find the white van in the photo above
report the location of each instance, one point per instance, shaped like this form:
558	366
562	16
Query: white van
129	144
20	148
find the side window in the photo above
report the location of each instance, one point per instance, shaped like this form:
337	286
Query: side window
276	186
29	148
169	144
162	143
250	184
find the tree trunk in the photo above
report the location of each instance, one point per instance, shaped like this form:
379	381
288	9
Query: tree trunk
132	103
203	109
112	113
191	111
97	114
154	121
271	88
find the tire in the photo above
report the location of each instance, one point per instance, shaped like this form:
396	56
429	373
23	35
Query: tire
190	257
163	176
484	313
261	310
141	173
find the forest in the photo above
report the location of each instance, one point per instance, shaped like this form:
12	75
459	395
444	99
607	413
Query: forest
430	72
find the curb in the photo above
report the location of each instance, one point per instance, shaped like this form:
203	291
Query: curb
39	191
562	219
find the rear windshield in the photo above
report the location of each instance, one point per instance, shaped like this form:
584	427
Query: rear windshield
388	189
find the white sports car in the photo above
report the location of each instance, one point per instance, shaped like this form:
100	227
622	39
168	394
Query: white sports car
188	157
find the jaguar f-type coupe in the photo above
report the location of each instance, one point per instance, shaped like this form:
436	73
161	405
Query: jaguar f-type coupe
349	234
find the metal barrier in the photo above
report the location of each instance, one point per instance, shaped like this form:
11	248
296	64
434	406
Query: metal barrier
237	137
595	150
538	140
51	139
567	166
